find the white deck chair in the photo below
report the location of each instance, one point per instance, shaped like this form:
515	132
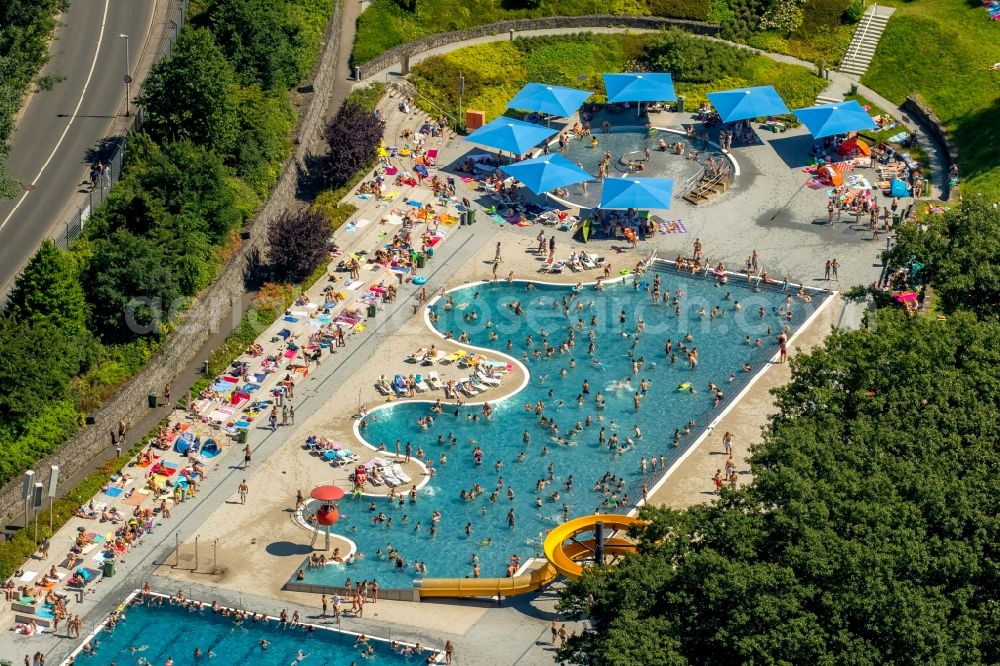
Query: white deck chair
397	471
489	381
434	381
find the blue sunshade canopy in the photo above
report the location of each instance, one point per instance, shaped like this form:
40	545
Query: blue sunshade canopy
744	103
553	100
622	193
645	87
837	118
546	173
514	136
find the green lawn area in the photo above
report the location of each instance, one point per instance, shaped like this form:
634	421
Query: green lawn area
495	71
942	50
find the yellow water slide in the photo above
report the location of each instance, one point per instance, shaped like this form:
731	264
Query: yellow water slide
562	559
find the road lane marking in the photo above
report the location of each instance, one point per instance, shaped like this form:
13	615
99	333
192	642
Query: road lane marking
72	118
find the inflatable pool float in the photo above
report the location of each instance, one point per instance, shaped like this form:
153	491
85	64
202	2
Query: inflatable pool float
420	279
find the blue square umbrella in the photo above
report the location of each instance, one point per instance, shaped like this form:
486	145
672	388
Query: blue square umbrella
546	173
745	103
553	100
622	193
837	118
514	136
644	87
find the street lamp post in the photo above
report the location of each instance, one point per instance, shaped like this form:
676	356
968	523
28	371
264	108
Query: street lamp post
128	77
461	91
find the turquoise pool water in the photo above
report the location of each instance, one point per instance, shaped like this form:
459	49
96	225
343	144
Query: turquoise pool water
722	352
629	141
153	634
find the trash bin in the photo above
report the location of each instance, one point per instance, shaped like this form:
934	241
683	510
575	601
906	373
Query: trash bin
241	435
421	260
430	252
680	104
854	89
372	309
895	219
154	400
109	568
464	218
472	216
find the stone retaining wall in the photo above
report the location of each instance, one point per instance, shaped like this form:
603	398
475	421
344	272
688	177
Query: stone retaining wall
396	54
924	116
208	311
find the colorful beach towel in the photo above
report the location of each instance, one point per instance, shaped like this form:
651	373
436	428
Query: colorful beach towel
672	227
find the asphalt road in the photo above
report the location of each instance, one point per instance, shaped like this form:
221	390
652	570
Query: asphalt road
62	130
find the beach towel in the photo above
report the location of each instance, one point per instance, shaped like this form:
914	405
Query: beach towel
290	353
135	499
290	320
113	491
353	286
414	204
898	138
391	171
672	227
284	334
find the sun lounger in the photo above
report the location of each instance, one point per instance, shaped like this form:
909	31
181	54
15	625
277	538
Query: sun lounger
422	386
434	381
389	478
382	389
397	471
452	358
489	381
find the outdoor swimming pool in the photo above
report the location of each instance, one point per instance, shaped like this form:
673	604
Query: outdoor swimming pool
722	352
153	634
622	141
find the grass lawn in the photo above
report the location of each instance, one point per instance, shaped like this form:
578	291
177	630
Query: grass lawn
942	50
827	46
495	71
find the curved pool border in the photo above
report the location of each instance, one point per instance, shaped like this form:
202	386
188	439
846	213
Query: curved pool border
412	593
643	128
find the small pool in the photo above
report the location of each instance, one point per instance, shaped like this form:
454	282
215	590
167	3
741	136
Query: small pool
629	143
152	634
557	381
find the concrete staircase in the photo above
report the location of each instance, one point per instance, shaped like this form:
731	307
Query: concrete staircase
862	48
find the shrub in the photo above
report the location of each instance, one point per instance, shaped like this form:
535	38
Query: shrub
743	19
261	40
336	213
354	136
297	244
692	59
687	9
855	11
821	15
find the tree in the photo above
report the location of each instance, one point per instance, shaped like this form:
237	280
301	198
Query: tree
960	253
189	95
354	136
867	536
692	59
130	287
39	359
297	244
261	40
48	290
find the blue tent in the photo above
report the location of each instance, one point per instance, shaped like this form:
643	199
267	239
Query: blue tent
899	188
744	103
553	100
837	118
646	87
547	172
514	136
624	193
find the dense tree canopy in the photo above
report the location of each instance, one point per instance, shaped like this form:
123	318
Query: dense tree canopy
130	286
260	40
48	290
189	94
868	536
960	253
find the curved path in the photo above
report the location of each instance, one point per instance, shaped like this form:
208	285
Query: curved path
61	131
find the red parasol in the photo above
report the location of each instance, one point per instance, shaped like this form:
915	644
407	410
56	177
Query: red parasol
327	493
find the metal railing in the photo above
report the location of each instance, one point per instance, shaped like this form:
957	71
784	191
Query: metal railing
407	89
115	162
849	56
706	184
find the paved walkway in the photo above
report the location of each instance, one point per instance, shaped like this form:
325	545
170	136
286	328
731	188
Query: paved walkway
839	86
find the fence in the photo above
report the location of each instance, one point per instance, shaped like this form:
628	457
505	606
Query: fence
115	162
